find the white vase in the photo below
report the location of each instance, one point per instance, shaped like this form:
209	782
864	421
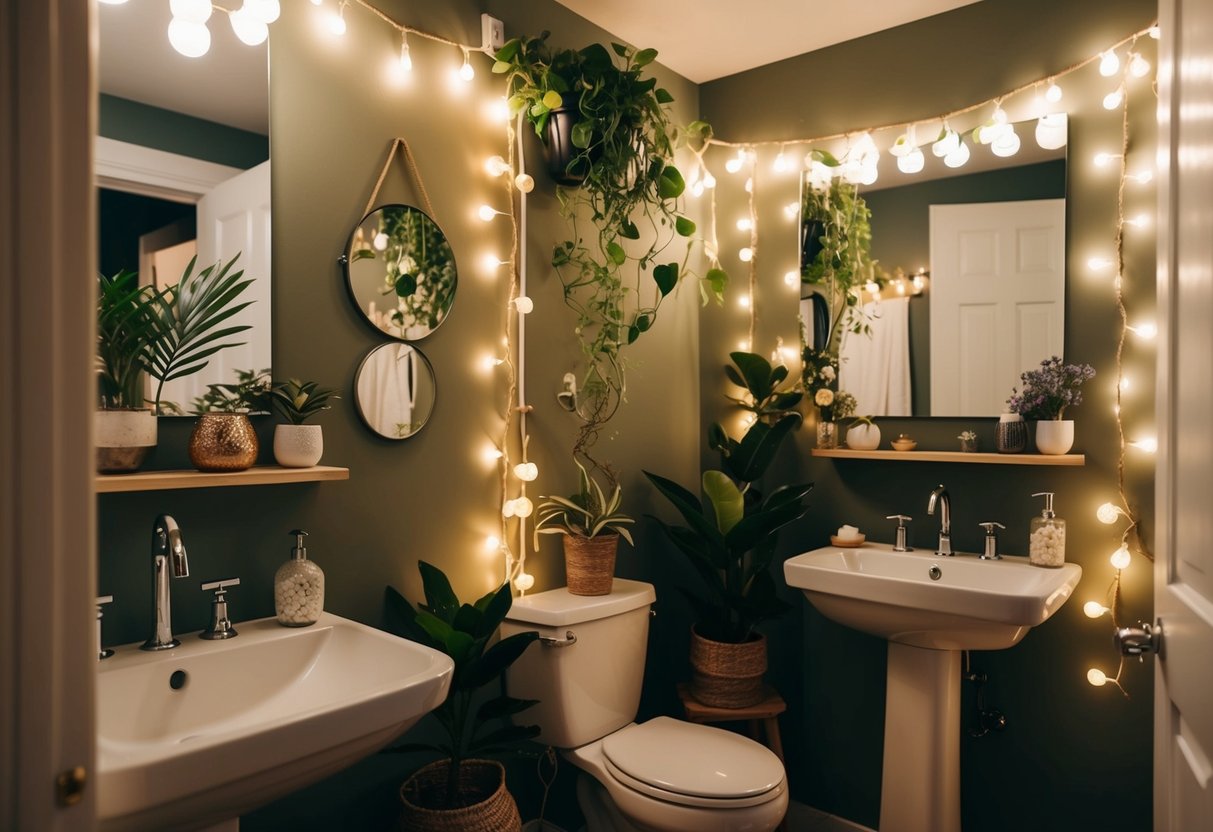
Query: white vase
863	437
298	446
123	439
1054	436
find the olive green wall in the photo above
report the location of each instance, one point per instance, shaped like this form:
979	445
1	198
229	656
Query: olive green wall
1068	744
174	132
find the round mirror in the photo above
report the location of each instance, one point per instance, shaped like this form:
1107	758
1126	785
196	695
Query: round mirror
401	272
395	390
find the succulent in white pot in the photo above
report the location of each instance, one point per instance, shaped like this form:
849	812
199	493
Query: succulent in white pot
863	435
298	445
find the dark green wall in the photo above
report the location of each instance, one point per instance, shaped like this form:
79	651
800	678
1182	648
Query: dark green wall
1067	744
168	130
901	237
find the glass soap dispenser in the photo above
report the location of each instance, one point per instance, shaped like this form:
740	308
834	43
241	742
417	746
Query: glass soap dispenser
1047	539
298	587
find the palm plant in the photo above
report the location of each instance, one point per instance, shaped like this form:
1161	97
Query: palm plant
297	401
588	513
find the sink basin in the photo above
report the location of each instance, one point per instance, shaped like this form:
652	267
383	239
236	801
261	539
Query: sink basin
929	608
200	734
973	604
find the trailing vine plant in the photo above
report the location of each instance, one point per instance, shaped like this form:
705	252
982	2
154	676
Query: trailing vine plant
616	273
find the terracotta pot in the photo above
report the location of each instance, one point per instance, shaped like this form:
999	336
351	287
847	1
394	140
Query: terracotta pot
728	675
1054	436
489	807
589	563
223	442
123	439
298	446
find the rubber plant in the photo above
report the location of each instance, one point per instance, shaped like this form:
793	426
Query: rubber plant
730	537
463	632
616	276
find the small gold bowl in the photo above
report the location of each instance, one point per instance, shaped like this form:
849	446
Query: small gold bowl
904	444
853	543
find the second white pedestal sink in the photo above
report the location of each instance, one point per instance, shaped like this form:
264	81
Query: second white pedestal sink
929	608
197	735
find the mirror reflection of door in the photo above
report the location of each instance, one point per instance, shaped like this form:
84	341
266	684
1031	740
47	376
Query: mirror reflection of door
395	390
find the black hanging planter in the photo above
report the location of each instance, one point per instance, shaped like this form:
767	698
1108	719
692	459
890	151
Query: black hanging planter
810	241
558	149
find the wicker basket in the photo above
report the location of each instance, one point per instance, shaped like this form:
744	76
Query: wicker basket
482	781
728	675
589	563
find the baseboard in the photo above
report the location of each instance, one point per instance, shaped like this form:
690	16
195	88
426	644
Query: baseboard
803	818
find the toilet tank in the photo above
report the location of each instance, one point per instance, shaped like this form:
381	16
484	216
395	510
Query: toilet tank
590	688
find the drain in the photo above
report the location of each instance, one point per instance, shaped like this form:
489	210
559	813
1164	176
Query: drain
935	573
178	679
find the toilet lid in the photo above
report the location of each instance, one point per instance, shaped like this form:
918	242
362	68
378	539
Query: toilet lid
688	759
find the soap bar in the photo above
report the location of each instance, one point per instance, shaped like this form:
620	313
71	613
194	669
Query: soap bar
847	533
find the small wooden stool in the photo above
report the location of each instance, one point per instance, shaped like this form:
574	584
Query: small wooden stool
765	712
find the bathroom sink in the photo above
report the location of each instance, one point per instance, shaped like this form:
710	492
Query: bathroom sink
200	734
968	604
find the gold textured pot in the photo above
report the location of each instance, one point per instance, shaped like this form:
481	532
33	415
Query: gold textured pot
223	442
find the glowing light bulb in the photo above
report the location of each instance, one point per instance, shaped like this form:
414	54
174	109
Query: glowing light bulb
1143	177
872	287
1094	609
524	305
911	162
524	581
267	11
743	301
406	59
781	164
492	454
380	242
492	543
1149	444
466	72
745	224
1096	677
791	279
1103	159
1107	513
733	165
791	210
491	262
744	345
1053	93
1138	66
523	507
1052	131
697	190
499	109
509	508
247	28
336	22
488	362
1154	32
1112	100
709	181
496	166
191	39
958	156
948	143
1007	144
1139	221
487	213
524	182
1098	264
191	11
526	471
749	185
1121	558
1124	383
1109	63
1148	330
745	255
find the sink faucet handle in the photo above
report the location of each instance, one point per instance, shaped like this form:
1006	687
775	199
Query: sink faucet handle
991	550
220	626
902	519
100	601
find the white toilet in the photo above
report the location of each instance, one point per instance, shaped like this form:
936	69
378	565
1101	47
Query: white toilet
664	774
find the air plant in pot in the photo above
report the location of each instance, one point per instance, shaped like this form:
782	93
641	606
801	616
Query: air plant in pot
730	539
298	445
462	790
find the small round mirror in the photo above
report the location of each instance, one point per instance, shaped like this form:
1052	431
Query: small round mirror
400	271
395	390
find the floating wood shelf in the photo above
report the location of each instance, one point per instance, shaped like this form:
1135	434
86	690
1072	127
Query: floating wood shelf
259	475
954	456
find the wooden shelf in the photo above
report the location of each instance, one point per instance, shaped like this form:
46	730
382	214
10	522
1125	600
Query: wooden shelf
954	456
259	475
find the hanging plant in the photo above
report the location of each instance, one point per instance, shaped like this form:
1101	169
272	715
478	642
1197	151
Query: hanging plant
621	149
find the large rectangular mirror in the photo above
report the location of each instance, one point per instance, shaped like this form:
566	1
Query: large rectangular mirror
182	169
969	278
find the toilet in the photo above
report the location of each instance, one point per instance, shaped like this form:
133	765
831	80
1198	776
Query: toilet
664	775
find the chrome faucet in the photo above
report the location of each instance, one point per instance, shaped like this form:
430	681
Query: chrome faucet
168	554
940	496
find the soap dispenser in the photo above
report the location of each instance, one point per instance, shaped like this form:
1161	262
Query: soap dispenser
1047	540
298	587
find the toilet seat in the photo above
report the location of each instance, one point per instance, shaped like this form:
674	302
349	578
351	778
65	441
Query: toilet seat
692	765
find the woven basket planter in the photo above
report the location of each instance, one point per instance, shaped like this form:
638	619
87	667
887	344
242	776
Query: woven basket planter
491	808
728	675
589	563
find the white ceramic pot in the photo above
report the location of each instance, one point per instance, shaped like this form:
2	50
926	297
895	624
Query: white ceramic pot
123	439
298	446
1054	436
863	437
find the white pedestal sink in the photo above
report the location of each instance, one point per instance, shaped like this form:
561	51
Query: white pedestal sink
929	608
197	735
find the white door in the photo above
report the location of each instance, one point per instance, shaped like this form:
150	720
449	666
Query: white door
234	218
997	299
1183	576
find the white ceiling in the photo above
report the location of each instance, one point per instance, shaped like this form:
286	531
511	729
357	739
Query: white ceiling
229	84
707	39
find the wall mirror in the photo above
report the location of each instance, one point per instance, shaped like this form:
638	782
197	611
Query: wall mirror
182	169
400	271
395	390
971	280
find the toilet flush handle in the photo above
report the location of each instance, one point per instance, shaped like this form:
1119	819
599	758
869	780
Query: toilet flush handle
570	638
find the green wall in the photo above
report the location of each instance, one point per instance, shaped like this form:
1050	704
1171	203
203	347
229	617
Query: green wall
174	132
1068	744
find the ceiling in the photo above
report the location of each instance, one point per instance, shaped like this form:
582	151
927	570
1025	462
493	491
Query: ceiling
229	84
707	39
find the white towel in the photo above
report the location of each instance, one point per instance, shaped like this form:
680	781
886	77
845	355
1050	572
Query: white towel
875	368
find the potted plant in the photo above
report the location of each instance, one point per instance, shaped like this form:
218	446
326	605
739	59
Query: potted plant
863	435
1044	394
462	790
968	441
591	525
298	445
730	541
612	143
